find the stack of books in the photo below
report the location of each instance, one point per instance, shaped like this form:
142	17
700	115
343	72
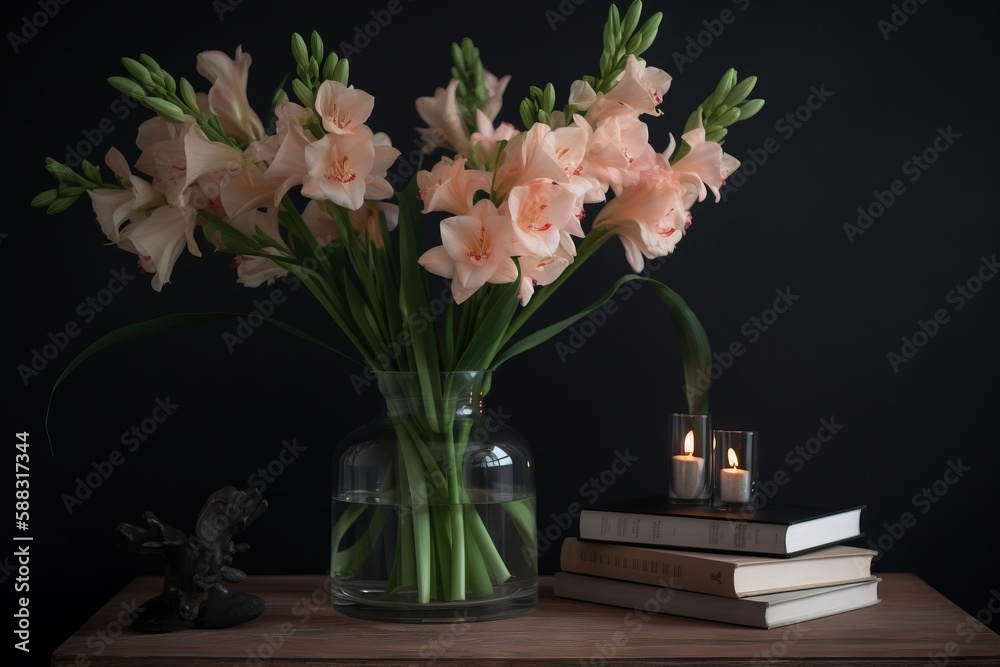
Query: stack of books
765	568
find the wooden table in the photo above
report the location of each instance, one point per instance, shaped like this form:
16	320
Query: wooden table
913	625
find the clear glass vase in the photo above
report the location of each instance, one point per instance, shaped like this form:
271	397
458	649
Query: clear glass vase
434	507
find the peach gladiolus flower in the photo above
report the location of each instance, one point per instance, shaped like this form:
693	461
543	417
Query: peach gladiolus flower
227	98
704	165
537	271
159	239
113	206
342	109
540	210
476	250
648	216
446	129
338	165
450	187
639	90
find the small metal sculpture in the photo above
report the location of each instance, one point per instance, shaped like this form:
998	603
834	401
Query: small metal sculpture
193	595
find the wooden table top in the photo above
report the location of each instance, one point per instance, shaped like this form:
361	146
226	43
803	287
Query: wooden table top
913	625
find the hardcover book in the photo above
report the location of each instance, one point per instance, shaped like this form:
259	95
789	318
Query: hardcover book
775	530
760	611
728	575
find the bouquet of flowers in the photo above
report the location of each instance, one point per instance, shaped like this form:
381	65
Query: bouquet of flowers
306	194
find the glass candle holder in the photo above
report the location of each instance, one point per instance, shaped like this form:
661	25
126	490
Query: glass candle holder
735	468
691	462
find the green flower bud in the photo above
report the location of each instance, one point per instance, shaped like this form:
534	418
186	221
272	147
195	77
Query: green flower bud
187	94
60	205
316	43
138	71
303	92
164	109
741	91
127	86
43	199
631	20
728	118
750	108
342	71
716	134
299	51
329	65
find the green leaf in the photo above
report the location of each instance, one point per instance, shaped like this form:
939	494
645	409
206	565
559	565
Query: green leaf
696	355
158	325
498	310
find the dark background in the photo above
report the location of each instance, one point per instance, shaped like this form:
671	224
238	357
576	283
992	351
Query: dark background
901	429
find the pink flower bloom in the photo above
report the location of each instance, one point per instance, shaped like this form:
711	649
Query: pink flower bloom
648	216
704	165
527	157
615	145
476	250
112	206
163	157
376	185
639	90
159	239
227	98
254	270
540	210
450	187
446	129
342	109
365	222
537	271
495	88
485	139
338	165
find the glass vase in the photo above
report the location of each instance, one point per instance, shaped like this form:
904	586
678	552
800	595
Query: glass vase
434	507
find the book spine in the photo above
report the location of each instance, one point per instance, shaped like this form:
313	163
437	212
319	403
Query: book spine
683	532
645	566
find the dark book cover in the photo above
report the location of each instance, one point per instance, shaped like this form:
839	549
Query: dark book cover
776	513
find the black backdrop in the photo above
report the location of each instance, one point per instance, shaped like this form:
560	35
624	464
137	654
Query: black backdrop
855	93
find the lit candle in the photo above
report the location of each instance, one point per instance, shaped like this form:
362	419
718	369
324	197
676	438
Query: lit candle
735	483
688	471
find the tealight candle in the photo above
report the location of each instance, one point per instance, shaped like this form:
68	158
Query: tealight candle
734	485
688	471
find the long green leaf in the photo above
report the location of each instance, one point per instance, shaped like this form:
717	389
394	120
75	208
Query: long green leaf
489	329
696	354
158	325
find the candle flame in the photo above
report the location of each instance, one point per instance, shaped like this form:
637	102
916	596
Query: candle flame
689	443
733	461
